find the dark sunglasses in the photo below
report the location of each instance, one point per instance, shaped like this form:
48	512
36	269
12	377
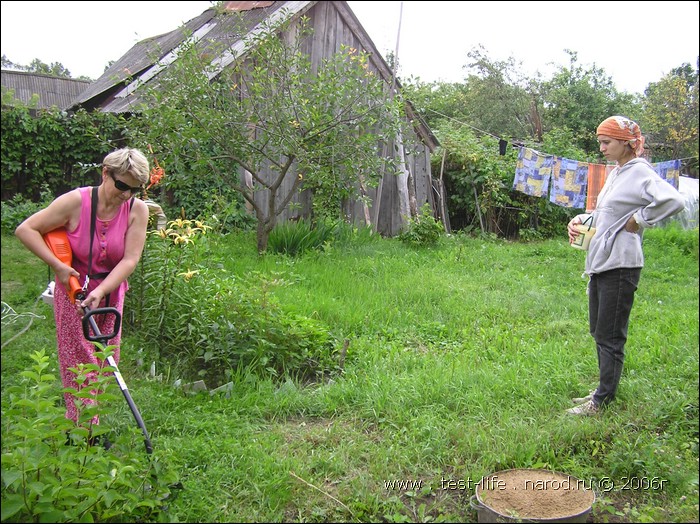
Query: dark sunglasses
121	186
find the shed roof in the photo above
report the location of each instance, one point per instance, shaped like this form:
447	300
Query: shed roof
52	91
116	91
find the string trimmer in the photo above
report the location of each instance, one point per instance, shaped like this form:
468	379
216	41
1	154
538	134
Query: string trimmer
57	240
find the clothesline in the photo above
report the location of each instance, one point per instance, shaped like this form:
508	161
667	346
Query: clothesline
573	184
499	138
465	124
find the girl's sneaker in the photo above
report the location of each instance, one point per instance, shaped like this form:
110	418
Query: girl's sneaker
588	408
581	400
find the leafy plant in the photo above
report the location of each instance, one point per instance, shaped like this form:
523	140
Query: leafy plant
169	262
423	230
53	470
18	208
54	149
208	324
296	237
673	236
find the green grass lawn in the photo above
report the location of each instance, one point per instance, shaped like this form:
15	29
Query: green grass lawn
460	362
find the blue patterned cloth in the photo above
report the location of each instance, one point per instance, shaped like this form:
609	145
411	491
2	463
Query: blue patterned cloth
669	170
533	172
570	181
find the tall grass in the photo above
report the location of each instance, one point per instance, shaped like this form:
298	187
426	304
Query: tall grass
460	362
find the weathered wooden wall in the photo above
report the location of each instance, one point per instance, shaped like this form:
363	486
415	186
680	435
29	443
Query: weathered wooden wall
334	25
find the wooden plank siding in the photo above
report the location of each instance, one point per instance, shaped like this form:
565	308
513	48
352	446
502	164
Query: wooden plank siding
333	26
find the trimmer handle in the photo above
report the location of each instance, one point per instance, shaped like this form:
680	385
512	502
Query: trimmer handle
89	322
75	293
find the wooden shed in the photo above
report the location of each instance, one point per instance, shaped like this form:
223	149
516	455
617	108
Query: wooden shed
393	201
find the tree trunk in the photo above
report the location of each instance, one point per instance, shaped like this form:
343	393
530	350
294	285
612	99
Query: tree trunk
402	183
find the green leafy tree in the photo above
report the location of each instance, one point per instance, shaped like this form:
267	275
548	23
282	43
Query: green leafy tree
54	69
316	127
578	99
7	63
437	101
671	115
39	67
495	98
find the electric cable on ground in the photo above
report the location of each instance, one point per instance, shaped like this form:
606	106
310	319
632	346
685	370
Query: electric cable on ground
8	312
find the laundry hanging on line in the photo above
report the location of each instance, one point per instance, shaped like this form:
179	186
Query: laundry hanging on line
597	174
669	170
569	183
533	172
573	184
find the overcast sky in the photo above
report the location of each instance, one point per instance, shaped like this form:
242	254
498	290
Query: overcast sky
634	42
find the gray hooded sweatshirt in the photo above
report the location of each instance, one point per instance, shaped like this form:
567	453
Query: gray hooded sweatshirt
634	189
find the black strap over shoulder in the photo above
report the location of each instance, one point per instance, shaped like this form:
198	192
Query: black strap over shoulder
93	219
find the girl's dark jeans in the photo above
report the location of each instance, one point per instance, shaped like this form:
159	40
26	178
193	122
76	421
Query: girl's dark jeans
610	299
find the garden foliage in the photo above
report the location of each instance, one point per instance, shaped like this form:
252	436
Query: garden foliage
52	470
207	324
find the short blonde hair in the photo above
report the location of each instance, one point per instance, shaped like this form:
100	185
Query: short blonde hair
128	160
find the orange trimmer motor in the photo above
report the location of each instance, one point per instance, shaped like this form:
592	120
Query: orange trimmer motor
57	240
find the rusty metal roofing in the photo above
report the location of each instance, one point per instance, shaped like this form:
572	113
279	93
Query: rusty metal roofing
52	91
116	91
245	6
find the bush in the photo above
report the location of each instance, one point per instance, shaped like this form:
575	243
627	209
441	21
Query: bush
247	330
209	324
297	237
673	236
424	230
18	209
54	148
44	479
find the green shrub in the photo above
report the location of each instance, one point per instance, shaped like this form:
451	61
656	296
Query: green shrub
55	148
44	479
673	236
245	328
18	209
424	230
352	235
208	324
297	237
226	214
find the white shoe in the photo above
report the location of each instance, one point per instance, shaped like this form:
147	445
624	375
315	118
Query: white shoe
580	400
588	408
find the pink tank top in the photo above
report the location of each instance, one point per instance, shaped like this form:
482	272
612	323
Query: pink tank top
107	245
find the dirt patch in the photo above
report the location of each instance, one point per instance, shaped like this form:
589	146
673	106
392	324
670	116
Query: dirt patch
534	494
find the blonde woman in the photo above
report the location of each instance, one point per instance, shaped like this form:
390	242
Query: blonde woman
108	258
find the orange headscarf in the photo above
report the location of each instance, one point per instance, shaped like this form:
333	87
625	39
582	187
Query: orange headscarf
621	128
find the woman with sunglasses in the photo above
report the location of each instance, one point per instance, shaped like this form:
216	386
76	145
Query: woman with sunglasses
108	258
